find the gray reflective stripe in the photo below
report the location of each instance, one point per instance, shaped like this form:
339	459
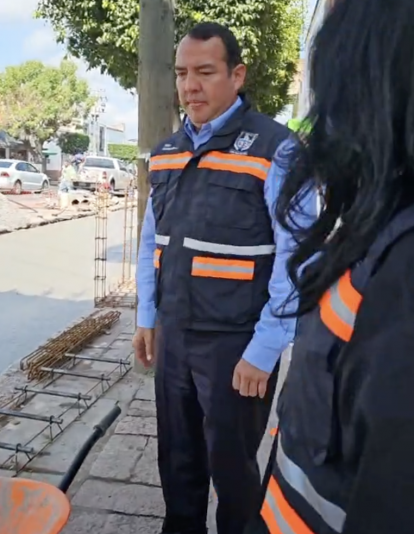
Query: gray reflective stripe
216	248
162	239
281	523
222	268
340	308
330	513
170	161
237	162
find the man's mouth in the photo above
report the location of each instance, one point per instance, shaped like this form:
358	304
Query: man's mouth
195	104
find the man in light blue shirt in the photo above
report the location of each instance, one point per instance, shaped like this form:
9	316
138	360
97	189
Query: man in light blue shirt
209	277
272	335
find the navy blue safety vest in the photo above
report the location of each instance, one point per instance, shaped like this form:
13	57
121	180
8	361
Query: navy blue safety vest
215	244
309	488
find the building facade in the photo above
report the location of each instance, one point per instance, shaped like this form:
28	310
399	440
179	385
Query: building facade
100	136
321	9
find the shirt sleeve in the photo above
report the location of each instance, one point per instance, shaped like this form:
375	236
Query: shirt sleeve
273	335
145	274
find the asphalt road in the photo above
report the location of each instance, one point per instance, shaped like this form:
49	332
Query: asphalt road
46	281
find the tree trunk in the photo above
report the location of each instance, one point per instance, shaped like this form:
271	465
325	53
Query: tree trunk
155	86
176	113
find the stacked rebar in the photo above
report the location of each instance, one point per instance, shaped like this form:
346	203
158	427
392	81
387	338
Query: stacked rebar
124	295
101	245
71	341
129	257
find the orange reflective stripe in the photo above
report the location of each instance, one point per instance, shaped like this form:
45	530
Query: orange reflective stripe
339	307
348	293
278	515
157	256
170	161
331	320
218	268
270	519
219	161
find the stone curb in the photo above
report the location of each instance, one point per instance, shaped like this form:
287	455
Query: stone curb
44	222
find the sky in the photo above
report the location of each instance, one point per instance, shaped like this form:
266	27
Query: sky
22	38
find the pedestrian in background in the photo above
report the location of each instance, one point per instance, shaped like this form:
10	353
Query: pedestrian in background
343	458
209	276
67	178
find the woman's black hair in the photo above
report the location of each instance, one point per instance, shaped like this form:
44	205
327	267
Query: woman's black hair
360	149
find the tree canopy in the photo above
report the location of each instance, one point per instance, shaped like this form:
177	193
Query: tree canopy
105	35
37	99
74	143
123	151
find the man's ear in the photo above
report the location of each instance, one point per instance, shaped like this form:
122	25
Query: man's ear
239	76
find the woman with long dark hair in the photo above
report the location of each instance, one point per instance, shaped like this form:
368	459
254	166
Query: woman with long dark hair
343	460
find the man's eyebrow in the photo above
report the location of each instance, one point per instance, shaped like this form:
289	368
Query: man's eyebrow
199	67
205	66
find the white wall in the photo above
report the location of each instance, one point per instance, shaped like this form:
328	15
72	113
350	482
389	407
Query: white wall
315	24
285	115
54	162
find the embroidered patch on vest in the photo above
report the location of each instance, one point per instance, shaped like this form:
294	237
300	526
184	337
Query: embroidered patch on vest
245	141
169	147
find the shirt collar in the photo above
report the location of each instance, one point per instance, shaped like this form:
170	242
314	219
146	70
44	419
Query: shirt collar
214	125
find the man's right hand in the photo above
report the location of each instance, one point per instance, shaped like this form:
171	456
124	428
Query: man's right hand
143	344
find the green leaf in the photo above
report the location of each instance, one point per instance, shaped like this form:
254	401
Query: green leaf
124	152
105	34
36	100
73	143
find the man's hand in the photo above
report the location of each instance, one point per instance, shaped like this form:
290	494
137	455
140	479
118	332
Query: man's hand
250	381
143	343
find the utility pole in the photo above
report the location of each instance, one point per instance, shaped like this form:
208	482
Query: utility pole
97	110
155	86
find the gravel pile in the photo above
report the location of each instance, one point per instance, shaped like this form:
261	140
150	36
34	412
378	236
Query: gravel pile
12	217
11	378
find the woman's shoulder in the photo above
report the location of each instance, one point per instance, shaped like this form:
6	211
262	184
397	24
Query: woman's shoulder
398	262
390	292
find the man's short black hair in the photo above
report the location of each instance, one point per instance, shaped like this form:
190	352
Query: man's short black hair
204	31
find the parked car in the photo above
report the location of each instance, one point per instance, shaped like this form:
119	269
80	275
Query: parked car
19	176
103	170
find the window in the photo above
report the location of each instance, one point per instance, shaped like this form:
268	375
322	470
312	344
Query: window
100	163
31	168
5	164
22	166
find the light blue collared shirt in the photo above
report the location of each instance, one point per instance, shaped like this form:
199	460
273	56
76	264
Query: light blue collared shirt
272	335
206	132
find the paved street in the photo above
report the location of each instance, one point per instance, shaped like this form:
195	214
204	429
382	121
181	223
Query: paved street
46	281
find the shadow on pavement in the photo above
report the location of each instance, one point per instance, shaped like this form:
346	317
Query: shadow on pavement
115	253
27	321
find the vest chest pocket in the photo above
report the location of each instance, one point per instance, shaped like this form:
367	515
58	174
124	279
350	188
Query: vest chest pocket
159	185
232	201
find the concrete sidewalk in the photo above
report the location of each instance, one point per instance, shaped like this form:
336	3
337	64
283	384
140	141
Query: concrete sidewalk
117	490
120	492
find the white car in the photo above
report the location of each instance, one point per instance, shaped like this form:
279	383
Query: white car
18	176
100	169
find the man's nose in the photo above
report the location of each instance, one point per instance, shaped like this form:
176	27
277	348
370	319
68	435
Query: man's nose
191	83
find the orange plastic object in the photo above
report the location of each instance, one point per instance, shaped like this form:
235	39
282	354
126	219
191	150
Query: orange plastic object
30	507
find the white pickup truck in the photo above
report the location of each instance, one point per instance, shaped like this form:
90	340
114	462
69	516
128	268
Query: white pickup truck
99	169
